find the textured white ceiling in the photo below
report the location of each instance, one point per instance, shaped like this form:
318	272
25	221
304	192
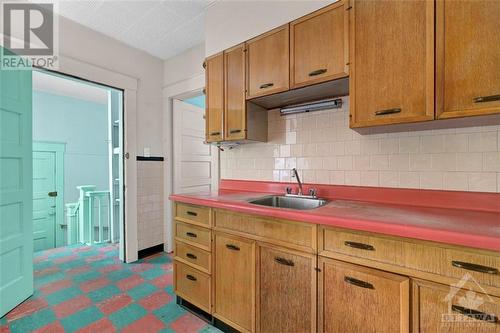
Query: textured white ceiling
56	85
163	28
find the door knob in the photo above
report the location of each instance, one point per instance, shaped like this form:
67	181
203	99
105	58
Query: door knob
52	194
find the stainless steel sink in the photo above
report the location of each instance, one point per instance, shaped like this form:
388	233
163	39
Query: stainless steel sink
291	202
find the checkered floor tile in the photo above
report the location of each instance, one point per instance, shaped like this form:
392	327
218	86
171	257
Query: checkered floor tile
87	289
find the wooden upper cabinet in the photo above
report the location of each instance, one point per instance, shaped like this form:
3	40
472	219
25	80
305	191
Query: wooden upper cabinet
235	111
235	281
467	58
214	114
286	287
268	62
358	299
391	62
319	46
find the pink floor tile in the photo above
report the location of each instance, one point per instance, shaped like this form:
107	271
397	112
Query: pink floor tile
103	325
78	270
114	304
55	286
110	268
155	301
65	259
130	282
95	258
147	324
71	306
141	267
54	327
163	281
91	285
26	308
187	324
4	329
42	272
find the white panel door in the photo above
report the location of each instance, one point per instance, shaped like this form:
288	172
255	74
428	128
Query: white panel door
196	164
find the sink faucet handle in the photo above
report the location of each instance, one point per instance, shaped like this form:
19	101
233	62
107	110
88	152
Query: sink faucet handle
288	190
312	192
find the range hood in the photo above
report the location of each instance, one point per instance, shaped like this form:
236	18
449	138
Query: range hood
316	92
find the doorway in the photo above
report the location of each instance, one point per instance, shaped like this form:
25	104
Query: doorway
77	162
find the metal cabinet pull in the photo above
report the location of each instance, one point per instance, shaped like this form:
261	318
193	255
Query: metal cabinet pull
318	72
360	246
483	99
191	234
283	261
190	277
478	315
232	247
474	267
387	111
233	131
358	283
192	213
266	85
191	256
214	133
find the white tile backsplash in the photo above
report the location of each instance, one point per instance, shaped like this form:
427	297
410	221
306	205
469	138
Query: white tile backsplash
324	150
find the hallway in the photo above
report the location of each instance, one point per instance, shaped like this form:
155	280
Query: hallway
87	289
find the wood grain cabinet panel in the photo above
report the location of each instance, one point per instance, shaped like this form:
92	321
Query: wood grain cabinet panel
193	285
235	281
194	235
468	58
319	46
214	114
268	62
356	299
286	286
441	309
193	256
391	62
235	111
193	214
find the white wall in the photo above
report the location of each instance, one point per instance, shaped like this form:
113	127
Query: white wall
88	46
231	22
184	66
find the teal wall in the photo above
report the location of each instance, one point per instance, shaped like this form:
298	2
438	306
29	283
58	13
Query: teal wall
197	101
83	126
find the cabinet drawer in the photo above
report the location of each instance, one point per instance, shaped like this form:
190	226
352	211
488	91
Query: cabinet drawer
298	235
193	235
197	258
192	285
360	245
192	214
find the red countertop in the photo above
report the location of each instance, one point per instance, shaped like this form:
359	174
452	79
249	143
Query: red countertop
459	218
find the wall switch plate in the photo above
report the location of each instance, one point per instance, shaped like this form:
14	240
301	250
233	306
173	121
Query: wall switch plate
147	152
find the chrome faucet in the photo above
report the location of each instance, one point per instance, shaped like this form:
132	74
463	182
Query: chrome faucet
296	175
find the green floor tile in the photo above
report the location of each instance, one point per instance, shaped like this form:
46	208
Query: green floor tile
119	275
81	319
168	313
152	273
87	276
141	291
32	322
100	295
63	295
127	315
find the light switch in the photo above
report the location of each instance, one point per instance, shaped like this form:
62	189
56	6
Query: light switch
147	152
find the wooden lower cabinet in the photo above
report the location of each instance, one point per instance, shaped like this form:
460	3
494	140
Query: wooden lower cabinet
439	308
356	299
193	285
235	281
286	285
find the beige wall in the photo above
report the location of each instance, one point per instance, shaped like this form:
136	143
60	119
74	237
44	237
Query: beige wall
231	22
184	66
324	150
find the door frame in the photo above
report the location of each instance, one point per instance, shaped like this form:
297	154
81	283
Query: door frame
59	149
129	85
178	90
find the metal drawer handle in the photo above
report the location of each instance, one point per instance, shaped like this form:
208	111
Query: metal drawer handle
214	133
191	234
266	85
478	315
358	283
232	247
191	256
474	267
483	99
360	246
283	261
318	72
190	277
192	213
387	111
233	131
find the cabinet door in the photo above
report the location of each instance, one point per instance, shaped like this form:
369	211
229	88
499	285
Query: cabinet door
468	58
286	285
319	46
235	113
358	299
214	115
391	62
268	63
235	281
438	309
